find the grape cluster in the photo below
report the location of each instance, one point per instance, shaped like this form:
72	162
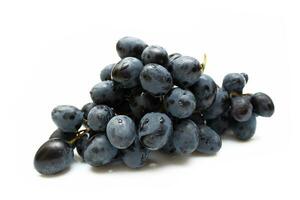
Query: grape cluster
151	101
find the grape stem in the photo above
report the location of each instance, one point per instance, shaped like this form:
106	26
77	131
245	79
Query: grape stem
79	135
203	64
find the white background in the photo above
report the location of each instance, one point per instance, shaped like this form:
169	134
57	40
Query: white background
51	53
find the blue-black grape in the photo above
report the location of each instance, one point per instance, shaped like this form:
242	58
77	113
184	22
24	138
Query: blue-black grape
106	72
241	108
121	131
154	130
234	82
180	103
186	136
155	54
185	71
142	103
156	80
220	105
53	156
262	104
205	90
67	118
209	141
99	151
107	93
130	47
82	142
244	130
127	71
98	117
135	156
66	136
86	109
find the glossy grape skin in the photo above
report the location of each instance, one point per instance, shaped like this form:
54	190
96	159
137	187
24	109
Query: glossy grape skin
99	151
220	124
241	108
205	90
209	141
156	80
220	105
121	131
127	71
65	136
107	93
244	130
180	103
186	137
245	76
154	130
185	71
86	109
143	103
67	118
262	104
130	47
135	156
234	82
98	117
174	56
105	73
53	156
155	54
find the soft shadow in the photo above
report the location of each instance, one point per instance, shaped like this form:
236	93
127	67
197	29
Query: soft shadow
156	161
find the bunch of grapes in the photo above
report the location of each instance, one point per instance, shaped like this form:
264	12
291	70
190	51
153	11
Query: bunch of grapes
151	101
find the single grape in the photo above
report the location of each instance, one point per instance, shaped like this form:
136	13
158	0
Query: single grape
98	117
142	103
106	92
106	72
86	109
244	130
186	136
127	71
53	156
154	130
180	103
65	136
205	90
262	104
234	82
209	141
155	54
156	80
135	156
241	108
220	105
185	71
99	151
121	131
67	118
130	47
